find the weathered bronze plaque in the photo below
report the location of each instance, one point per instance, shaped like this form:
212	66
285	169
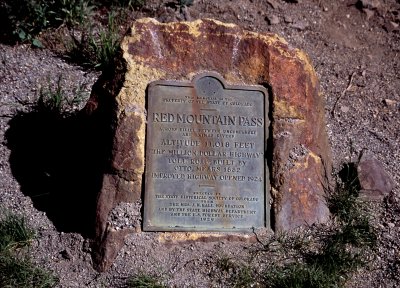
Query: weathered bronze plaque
205	156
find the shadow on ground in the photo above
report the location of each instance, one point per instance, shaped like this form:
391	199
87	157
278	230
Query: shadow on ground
59	161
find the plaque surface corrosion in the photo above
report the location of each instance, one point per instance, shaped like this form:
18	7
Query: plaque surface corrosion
205	156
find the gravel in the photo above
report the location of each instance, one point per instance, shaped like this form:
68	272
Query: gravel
357	59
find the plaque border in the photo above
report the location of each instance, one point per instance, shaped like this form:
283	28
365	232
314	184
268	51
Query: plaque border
146	226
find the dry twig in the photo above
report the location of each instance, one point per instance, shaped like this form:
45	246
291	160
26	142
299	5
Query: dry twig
343	93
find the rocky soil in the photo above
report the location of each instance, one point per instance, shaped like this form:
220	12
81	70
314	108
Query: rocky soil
355	49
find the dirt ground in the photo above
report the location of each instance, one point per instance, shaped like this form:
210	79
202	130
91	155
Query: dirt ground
355	49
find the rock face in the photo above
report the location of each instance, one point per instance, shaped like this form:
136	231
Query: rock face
299	151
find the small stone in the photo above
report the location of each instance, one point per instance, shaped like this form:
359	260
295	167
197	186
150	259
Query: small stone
369	4
325	9
86	247
391	26
391	225
288	19
392	198
273	20
345	109
66	254
274	4
389	102
369	13
374	181
301	25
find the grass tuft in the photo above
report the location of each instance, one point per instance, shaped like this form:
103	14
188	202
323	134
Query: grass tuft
298	276
143	281
14	233
343	200
106	47
16	270
54	100
97	48
238	273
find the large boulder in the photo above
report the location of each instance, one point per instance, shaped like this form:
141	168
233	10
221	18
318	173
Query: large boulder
298	150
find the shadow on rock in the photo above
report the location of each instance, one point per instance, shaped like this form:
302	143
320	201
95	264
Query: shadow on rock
59	159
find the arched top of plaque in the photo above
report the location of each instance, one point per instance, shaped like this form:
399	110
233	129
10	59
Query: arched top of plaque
210	84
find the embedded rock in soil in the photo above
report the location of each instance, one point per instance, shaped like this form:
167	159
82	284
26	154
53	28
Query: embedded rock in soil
299	151
374	181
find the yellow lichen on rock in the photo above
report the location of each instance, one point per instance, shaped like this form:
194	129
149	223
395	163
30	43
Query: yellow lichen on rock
196	236
283	110
136	80
306	161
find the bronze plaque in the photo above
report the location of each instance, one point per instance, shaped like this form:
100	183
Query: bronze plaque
205	156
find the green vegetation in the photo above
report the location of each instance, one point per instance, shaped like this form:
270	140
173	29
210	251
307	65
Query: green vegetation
93	42
16	272
106	47
14	233
143	281
239	273
30	17
335	253
342	201
97	49
123	3
55	101
185	2
350	212
15	269
318	256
